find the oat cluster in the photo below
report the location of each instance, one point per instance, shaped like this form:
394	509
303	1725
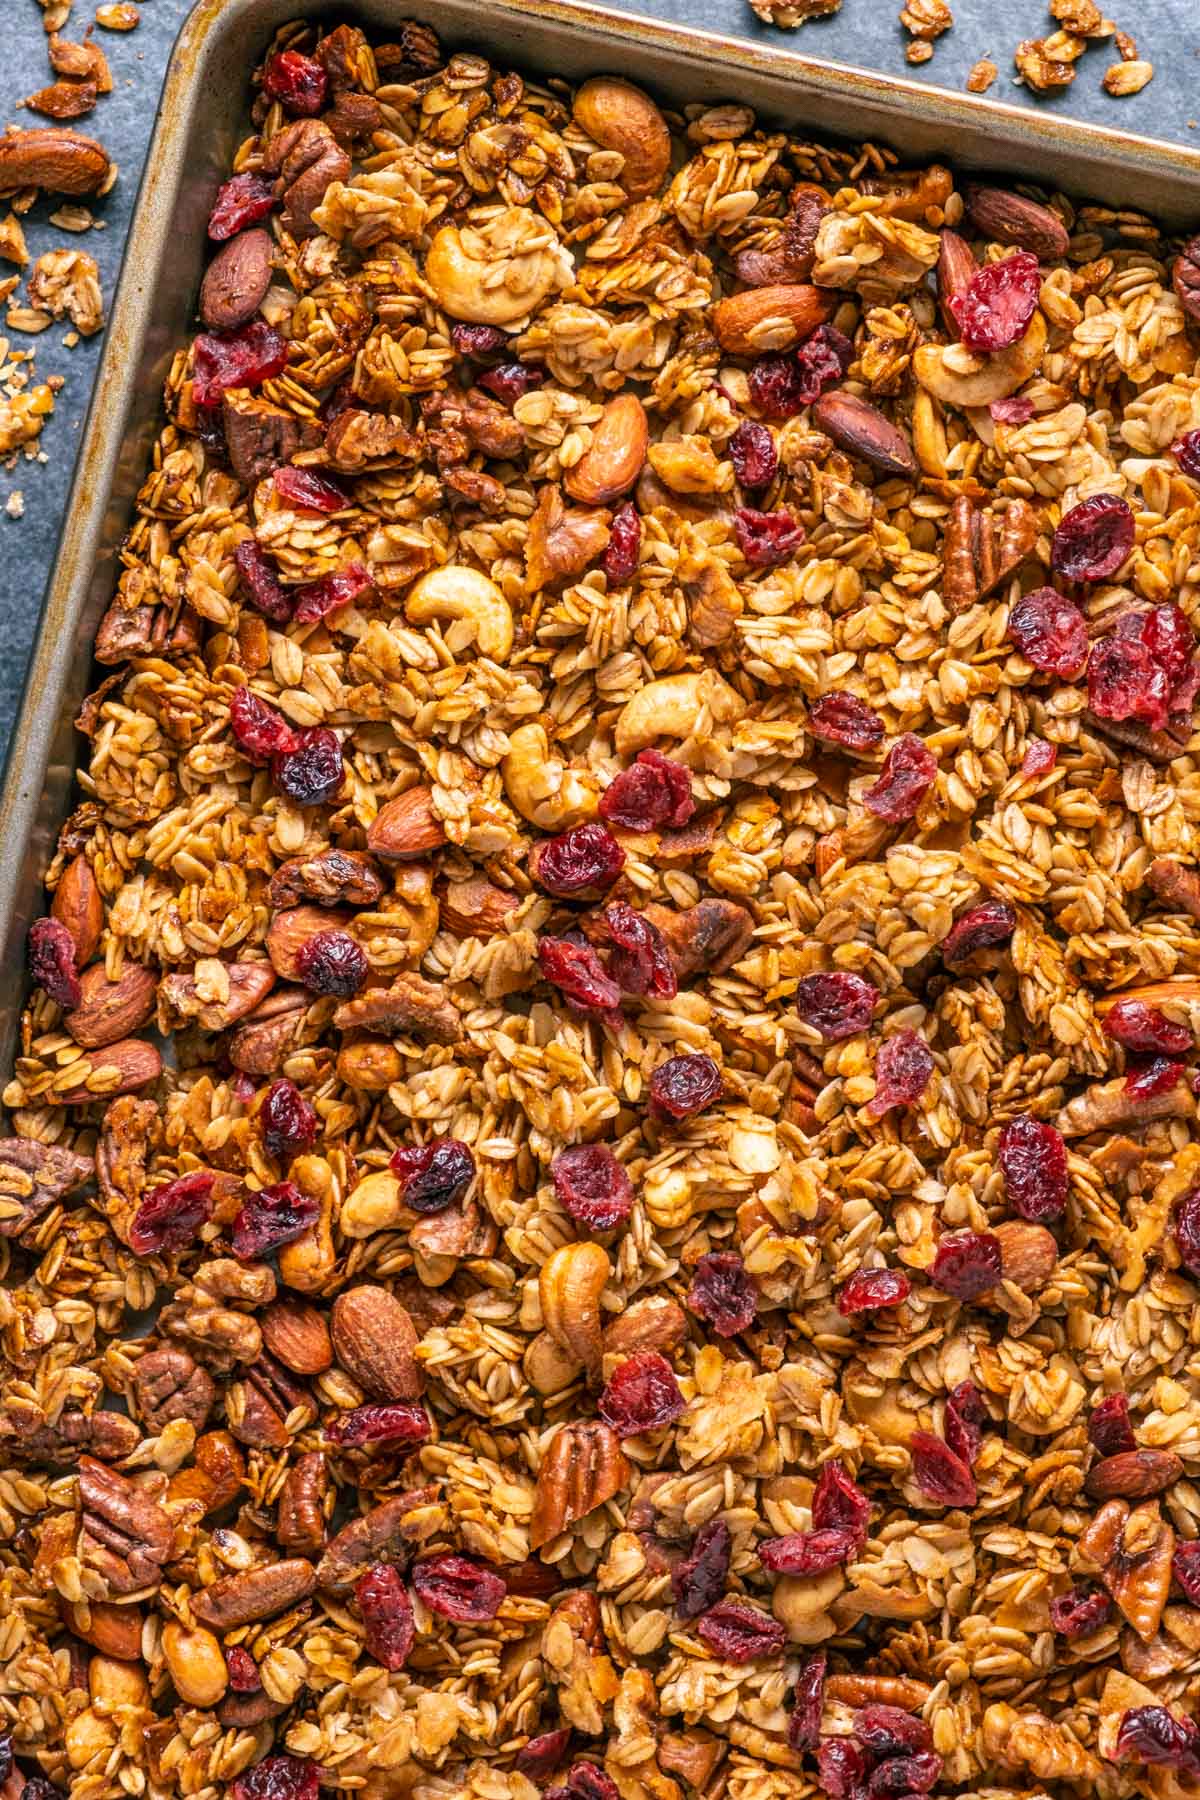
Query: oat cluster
602	1198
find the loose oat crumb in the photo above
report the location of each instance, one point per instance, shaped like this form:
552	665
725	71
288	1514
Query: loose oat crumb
919	51
1039	69
56	13
1126	46
73	218
12	240
1082	17
790	13
119	17
983	74
1125	78
68	281
14	506
30	319
926	18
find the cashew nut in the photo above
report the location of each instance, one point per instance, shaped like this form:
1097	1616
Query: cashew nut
481	612
546	791
307	1262
548	1367
570	1285
374	1204
196	1663
495	274
673	707
958	377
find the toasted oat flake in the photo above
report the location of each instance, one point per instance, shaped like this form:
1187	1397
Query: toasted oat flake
982	75
1127	77
14	506
120	16
926	18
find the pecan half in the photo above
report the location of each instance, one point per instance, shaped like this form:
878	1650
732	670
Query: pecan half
33	1177
983	549
169	1384
300	1525
227	993
582	1467
255	1594
124	1535
330	878
307	159
1175	885
705	939
379	1536
411	1004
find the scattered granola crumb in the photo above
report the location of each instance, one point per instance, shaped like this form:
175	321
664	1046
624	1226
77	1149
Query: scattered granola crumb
982	75
81	62
1126	46
1040	68
919	51
12	241
1126	78
790	13
57	12
68	281
926	19
73	218
22	418
120	17
14	506
29	319
70	340
1081	17
63	100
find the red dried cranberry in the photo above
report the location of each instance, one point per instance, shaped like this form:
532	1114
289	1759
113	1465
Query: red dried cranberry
586	1781
242	200
331	962
642	1394
640	962
722	1293
433	1176
1093	539
979	928
476	340
738	1633
1110	1429
841	1768
258	730
776	385
397	1422
1033	1160
902	1775
298	82
387	1615
888	1731
261	582
510	380
1050	632
592	1187
235	359
320	599
964	1418
1039	758
288	1122
939	1474
1124	682
1155	1077
1186	451
685	1085
1016	410
1145	1029
753	455
1185	1567
804	1726
52	962
621	553
1150	1734
272	1217
698	1580
903	1065
577	861
170	1216
244	1677
38	1788
305	488
995	307
808	1552
652	794
822	361
542	1754
870	1289
909	770
836	1005
766	539
842	718
966	1264
1080	1612
458	1588
838	1502
1166	634
278	1778
579	975
313	772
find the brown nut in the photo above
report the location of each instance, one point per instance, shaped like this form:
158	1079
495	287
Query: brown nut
1009	218
62	162
266	1035
655	1323
956	265
570	1284
770	318
374	1340
254	1594
297	1336
120	1068
583	1467
621	117
369	1066
300	1525
113	1630
475	907
78	906
181	997
406	827
236	281
613	460
1185	278
1133	1474
289	932
196	1663
64	99
1028	1254
862	431
109	1010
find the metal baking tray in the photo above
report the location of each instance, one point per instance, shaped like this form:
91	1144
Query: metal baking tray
203	116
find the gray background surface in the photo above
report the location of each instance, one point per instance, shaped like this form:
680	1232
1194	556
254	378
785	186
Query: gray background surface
865	32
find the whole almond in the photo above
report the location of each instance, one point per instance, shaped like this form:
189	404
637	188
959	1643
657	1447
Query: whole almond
406	827
613	460
297	1336
655	1323
113	1630
120	1068
374	1340
78	906
621	117
236	280
476	907
61	161
290	930
1009	218
109	1010
1133	1474
770	318
956	266
862	431
1028	1254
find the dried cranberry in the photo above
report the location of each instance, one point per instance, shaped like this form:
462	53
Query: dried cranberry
1093	539
242	200
592	1187
1110	1429
6	1755
777	387
1185	1567
642	1394
903	1065
652	794
298	82
1050	632
1186	451
510	380
888	1731
1167	635
904	1775
278	1778
244	1677
808	1552
979	928
870	1289
1145	1029
941	1475
685	1085
1016	410
995	307
722	1293
258	730
261	582
387	1615
804	1725
738	1633
313	772
272	1217
1187	1231
458	1588
235	359
1124	682
584	858
397	1422
38	1788
698	1580
822	361
1156	1077
578	973
288	1122
1150	1734
433	1176
52	962
640	962
838	1502
1039	758
753	455
586	1781
621	553
766	539
967	1263
842	718
836	1005
304	488
543	1753
1033	1160
170	1216
331	962
1080	1612
963	1421
841	1768
321	599
909	770
476	340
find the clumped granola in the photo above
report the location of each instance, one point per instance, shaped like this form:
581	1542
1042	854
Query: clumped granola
601	1198
791	13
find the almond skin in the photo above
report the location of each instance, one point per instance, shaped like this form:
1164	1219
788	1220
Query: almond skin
1009	218
621	117
862	431
613	460
291	930
297	1336
956	265
236	281
1133	1474
476	907
109	1010
78	906
136	1063
1028	1254
770	318
62	162
113	1630
406	827
374	1340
